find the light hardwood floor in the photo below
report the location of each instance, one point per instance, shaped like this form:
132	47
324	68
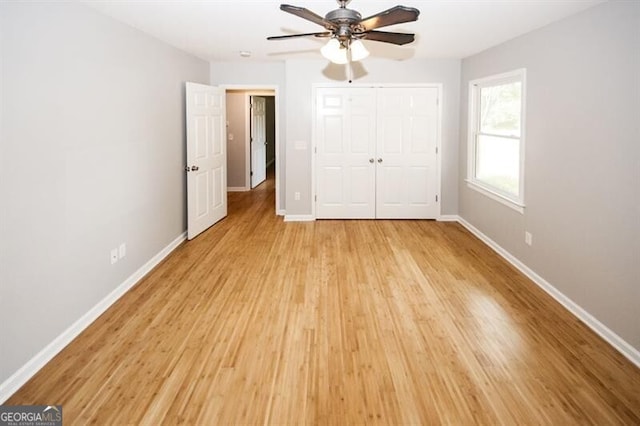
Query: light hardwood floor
336	322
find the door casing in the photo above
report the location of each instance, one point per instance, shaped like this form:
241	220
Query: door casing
264	90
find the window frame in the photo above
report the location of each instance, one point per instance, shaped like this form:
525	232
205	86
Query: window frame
518	75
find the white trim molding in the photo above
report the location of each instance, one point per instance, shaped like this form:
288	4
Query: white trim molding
299	218
495	196
448	218
28	370
237	189
264	90
631	353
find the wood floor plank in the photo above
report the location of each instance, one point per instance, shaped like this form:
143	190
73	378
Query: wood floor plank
258	321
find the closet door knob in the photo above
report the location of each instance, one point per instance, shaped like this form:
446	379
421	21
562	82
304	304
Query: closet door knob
371	160
379	160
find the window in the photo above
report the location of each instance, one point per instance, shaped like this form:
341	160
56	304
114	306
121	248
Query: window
496	137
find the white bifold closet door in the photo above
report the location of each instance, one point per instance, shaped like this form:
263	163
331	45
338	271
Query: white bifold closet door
346	147
377	153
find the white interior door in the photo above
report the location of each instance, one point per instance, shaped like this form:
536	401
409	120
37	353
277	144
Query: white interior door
406	153
258	141
206	157
345	138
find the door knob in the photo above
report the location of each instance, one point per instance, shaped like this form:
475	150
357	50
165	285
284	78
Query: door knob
195	168
379	160
371	160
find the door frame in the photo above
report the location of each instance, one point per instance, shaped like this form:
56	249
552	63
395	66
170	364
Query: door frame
261	90
314	131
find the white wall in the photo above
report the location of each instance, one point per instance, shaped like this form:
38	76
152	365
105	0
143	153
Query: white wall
582	166
301	75
91	156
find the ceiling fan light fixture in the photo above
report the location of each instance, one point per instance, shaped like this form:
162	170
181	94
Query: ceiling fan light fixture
345	28
358	51
335	52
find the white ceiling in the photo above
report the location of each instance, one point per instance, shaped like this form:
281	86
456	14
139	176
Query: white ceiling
219	29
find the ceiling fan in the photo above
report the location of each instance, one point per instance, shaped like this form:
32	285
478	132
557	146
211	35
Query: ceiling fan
345	28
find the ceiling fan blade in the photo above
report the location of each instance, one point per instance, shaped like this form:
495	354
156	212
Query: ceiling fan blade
387	37
395	15
323	34
308	15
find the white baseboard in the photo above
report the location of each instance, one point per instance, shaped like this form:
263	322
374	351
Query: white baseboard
602	330
237	189
28	370
281	212
299	218
448	218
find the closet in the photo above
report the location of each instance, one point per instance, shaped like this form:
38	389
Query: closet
377	152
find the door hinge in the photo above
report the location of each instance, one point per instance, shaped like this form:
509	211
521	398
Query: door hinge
315	198
436	149
436	198
251	174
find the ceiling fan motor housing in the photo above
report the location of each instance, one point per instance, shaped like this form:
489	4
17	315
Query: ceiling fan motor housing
347	26
344	19
343	16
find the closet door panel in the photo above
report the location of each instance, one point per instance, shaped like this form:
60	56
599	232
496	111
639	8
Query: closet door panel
345	138
406	173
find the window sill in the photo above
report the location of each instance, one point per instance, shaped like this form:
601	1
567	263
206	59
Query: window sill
496	196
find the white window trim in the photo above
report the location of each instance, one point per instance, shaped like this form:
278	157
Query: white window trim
493	193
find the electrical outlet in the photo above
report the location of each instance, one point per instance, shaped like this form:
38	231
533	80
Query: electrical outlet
122	250
296	196
528	238
114	255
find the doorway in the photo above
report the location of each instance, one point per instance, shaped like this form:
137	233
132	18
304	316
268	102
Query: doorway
252	138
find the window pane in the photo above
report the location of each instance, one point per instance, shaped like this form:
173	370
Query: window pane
498	163
500	109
